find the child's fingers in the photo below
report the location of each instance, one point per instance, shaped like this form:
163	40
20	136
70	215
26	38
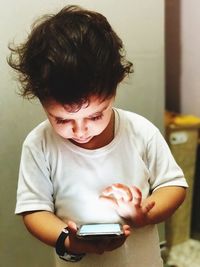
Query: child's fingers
137	195
127	230
122	191
124	209
108	196
118	191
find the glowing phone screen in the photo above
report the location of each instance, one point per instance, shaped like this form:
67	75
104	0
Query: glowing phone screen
105	228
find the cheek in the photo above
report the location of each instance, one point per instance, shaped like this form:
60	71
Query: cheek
62	130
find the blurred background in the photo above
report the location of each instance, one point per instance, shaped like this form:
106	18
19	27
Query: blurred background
161	39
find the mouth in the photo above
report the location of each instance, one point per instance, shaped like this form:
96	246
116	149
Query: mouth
82	140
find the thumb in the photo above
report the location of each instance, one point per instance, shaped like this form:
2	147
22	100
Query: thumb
72	227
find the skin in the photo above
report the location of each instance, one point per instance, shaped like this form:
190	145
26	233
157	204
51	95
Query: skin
138	212
91	127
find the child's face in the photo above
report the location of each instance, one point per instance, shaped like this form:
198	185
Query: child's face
84	125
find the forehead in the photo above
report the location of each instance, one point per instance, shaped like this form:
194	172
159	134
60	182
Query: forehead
85	103
88	108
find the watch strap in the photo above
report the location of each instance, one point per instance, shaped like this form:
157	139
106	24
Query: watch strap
60	243
61	249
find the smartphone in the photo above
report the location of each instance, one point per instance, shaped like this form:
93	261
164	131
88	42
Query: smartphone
100	230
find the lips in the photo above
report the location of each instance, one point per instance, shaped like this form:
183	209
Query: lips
81	140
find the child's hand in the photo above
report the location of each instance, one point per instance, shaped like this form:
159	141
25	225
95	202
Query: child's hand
128	203
116	192
79	246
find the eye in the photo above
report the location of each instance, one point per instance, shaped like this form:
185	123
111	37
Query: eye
59	121
99	117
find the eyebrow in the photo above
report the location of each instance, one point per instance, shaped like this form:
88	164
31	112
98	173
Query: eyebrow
90	116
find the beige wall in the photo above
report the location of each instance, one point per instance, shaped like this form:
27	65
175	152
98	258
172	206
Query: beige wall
140	24
190	61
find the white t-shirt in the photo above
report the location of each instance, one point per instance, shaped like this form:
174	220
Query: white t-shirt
58	176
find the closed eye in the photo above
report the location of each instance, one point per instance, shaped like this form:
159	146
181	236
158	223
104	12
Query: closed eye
99	117
95	118
59	121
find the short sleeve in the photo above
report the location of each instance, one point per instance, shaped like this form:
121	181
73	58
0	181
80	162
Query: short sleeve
164	170
35	189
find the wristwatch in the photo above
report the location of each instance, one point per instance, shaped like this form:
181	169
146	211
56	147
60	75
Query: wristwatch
61	250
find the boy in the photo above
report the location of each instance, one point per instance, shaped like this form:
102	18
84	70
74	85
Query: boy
90	162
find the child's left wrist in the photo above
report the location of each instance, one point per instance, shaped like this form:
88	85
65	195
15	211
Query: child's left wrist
140	221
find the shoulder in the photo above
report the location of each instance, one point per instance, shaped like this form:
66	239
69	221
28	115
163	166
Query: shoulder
40	135
137	125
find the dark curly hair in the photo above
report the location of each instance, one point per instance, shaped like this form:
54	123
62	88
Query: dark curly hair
70	56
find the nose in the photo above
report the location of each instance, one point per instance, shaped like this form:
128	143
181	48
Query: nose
79	129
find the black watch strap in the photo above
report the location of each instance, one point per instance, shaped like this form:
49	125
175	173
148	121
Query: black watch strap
60	243
61	250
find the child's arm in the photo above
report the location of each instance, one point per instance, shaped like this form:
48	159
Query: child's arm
156	208
47	227
167	200
44	225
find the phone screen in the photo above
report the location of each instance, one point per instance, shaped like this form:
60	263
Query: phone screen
100	230
105	228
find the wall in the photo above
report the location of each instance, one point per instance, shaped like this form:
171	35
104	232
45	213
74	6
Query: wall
182	43
190	42
190	88
172	55
140	24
